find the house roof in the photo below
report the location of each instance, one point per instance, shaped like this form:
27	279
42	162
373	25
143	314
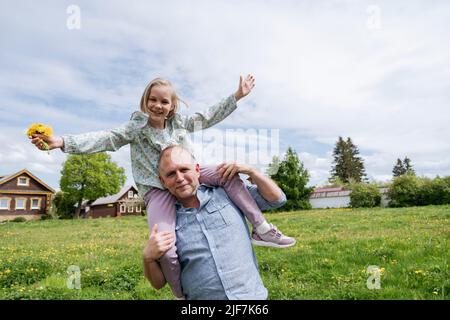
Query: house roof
335	189
113	198
6	178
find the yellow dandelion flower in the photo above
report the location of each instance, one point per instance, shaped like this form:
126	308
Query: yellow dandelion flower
39	128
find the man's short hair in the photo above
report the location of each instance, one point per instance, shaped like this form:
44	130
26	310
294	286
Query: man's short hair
176	146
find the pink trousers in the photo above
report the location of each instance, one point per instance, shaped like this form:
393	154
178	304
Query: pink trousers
160	205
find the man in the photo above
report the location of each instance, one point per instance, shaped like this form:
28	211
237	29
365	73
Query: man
213	242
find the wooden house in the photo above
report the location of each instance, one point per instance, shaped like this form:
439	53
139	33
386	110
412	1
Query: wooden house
22	194
125	202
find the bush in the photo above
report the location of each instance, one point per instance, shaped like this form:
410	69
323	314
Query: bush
447	190
365	195
19	219
404	191
432	192
409	190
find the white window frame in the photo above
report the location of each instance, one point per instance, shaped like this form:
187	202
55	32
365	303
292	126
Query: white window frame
8	201
122	208
26	184
131	209
138	209
130	194
38	205
24	204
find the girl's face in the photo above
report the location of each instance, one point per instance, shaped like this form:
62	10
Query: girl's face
159	103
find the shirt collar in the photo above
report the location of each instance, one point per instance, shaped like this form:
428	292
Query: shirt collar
202	196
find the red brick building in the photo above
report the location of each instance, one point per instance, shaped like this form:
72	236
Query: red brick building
22	194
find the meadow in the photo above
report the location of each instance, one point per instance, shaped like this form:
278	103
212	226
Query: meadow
335	247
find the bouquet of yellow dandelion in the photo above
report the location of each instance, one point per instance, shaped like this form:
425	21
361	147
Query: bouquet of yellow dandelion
39	128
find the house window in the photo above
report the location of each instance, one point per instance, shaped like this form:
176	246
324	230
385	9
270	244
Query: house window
138	209
4	203
122	208
20	203
130	194
130	209
23	181
35	203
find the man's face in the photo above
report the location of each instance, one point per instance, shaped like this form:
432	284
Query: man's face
179	173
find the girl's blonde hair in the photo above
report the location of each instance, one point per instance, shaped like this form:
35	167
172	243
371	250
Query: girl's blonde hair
161	82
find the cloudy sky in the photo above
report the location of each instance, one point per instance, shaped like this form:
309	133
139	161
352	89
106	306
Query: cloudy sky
375	71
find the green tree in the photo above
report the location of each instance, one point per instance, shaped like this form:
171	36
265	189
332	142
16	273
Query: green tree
399	169
408	166
404	191
90	176
292	178
348	166
64	206
403	167
365	195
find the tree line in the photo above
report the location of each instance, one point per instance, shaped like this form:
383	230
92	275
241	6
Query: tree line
89	177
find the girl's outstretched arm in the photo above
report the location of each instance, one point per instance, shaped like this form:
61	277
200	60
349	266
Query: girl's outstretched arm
245	87
92	142
219	111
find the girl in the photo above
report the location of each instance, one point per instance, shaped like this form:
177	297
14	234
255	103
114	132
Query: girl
149	131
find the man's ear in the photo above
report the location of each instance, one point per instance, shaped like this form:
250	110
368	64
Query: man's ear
197	168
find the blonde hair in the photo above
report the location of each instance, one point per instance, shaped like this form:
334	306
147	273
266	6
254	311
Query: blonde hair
161	82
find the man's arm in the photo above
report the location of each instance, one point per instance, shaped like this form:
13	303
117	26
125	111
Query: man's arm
265	186
157	245
268	189
153	273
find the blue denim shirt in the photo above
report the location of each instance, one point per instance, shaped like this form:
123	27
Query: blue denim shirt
215	250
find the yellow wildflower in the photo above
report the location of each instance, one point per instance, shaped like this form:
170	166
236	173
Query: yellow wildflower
39	128
419	272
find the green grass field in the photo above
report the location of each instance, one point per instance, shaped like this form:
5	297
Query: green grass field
330	260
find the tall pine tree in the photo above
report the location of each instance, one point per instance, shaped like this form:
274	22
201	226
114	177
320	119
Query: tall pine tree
292	177
408	166
403	167
399	169
348	166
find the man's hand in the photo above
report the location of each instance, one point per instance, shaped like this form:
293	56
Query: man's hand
52	142
245	86
229	170
158	244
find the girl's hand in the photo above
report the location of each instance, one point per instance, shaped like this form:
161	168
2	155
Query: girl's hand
245	86
229	170
52	142
159	244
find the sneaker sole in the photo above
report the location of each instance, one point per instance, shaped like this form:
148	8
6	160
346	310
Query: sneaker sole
271	244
